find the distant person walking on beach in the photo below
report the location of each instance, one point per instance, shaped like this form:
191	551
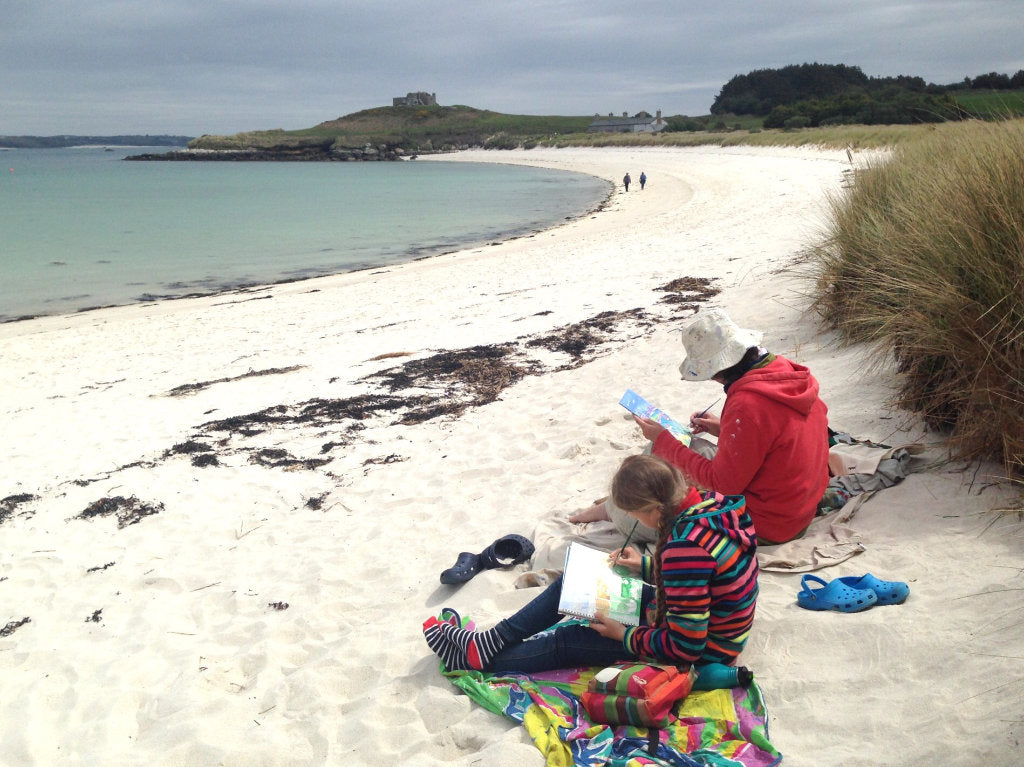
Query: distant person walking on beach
643	180
625	181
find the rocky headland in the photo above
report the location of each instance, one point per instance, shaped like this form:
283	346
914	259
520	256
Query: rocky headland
317	153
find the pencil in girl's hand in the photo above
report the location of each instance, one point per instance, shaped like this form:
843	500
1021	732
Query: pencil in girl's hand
628	538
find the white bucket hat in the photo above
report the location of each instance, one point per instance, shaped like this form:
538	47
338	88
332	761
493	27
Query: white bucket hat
713	342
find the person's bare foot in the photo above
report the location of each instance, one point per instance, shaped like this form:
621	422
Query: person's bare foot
595	513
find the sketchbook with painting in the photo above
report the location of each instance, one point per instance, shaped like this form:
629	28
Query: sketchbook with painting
590	586
639	406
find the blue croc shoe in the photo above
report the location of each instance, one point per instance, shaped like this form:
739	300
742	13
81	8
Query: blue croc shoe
833	596
886	592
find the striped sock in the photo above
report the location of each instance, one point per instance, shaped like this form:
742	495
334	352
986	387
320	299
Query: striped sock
451	656
477	648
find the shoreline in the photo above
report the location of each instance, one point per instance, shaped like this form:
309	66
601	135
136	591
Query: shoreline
164	640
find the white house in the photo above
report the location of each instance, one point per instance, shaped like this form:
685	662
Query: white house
642	122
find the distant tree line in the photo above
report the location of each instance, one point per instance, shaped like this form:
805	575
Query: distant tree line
993	81
56	142
810	95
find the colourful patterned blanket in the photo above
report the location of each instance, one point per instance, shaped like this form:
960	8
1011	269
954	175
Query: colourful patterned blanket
716	728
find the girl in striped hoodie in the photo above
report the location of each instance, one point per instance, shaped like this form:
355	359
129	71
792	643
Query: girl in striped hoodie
699	610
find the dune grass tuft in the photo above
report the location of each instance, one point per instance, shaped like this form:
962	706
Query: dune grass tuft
924	258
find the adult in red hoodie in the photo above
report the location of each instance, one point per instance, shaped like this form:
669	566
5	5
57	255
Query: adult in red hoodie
772	435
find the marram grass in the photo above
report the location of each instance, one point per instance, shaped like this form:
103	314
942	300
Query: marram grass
924	257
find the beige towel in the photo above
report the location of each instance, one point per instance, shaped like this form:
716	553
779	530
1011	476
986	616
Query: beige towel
846	459
828	541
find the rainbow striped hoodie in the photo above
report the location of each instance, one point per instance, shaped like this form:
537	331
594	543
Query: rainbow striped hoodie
709	572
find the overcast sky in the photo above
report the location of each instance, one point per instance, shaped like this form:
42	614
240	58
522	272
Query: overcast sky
215	66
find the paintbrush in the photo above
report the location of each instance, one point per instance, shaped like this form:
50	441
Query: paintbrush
703	413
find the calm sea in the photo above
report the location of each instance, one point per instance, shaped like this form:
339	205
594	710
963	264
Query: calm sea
81	227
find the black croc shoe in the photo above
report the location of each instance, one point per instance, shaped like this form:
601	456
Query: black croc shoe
506	551
465	567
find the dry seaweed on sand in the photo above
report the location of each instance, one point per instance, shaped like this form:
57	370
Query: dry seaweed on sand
451	381
582	341
11	502
13	626
575	340
317	412
324	411
188	447
482	369
330	445
129	511
462	378
443	384
202	454
688	291
251	424
316	502
192	388
384	460
281	459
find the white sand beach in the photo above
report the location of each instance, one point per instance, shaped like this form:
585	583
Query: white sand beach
269	612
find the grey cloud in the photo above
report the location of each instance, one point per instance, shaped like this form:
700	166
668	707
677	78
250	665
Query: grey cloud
211	66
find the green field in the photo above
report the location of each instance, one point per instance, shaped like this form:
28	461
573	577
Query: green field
988	104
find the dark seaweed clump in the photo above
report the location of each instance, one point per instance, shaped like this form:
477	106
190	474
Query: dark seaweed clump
13	626
282	459
687	292
583	341
460	379
11	502
129	511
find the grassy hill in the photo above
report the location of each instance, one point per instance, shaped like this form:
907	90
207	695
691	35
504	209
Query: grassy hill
415	129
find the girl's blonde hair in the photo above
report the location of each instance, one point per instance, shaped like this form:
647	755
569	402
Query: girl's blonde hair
643	481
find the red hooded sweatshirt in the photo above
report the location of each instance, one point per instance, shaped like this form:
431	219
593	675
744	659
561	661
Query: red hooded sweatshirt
772	448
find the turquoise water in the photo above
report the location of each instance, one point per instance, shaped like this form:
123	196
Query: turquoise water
81	227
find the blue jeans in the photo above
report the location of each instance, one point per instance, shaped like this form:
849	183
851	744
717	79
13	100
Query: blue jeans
565	647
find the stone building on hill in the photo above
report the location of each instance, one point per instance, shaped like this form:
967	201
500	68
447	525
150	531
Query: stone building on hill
641	122
418	99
